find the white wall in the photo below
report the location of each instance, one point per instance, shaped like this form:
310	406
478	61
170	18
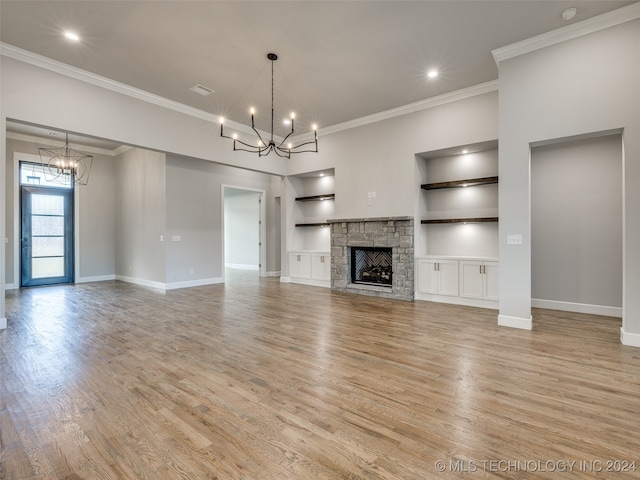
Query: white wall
241	228
585	85
576	225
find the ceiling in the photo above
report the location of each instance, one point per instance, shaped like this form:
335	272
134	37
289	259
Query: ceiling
338	60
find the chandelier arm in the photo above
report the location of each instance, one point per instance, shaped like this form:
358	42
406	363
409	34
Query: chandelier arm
285	139
312	142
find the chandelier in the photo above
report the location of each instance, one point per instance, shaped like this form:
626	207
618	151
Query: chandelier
60	164
264	148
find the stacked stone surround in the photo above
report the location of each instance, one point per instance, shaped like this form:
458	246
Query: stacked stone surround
394	232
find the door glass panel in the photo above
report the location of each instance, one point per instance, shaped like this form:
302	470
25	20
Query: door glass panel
47	247
47	267
47	205
47	225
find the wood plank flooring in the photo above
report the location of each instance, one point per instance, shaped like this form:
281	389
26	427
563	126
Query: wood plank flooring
256	379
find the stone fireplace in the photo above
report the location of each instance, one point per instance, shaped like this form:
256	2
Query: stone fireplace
373	256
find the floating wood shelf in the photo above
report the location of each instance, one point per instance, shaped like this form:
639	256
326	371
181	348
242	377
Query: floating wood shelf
316	198
471	182
460	220
323	224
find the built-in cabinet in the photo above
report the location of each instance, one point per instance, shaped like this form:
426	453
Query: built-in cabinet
457	233
310	204
479	280
437	276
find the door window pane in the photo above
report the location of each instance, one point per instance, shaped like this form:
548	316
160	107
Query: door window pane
47	205
47	225
47	246
47	267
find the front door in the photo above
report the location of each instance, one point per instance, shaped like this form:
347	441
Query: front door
46	235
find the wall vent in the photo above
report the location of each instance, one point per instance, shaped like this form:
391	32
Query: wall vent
201	90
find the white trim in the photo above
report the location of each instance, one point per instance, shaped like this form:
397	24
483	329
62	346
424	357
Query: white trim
103	82
285	279
453	300
425	104
142	282
242	266
10	286
515	322
272	274
52	142
577	307
569	32
629	339
307	281
99	278
194	283
3	323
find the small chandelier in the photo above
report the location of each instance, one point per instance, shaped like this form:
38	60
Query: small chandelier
263	148
59	164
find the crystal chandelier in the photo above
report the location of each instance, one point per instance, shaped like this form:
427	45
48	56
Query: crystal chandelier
59	164
264	148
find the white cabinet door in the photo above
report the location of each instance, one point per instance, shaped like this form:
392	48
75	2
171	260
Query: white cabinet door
437	276
300	265
491	281
427	276
320	266
479	279
448	277
472	279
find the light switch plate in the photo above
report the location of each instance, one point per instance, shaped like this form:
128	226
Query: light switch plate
514	239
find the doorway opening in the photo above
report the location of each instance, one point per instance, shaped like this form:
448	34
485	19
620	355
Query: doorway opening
46	228
243	231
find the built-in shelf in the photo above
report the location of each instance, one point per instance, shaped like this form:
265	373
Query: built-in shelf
322	224
460	220
471	182
316	198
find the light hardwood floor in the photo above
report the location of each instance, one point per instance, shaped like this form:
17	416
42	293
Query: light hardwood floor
260	380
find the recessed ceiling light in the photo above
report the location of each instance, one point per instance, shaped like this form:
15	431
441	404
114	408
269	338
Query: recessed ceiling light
72	36
432	73
569	13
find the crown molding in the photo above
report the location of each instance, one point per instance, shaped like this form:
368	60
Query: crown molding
425	104
56	143
78	74
569	32
58	67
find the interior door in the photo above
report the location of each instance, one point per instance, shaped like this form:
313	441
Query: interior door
46	236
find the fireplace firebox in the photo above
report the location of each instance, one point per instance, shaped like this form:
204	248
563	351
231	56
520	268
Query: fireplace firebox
372	266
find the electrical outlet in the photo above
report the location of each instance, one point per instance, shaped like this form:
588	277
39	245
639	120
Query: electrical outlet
191	271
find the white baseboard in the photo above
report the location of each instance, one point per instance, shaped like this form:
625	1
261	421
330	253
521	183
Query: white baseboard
577	307
308	281
272	274
242	266
141	281
193	283
10	286
629	339
450	299
3	323
515	322
285	279
100	278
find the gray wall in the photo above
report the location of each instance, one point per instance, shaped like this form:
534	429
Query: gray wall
96	215
140	215
194	212
585	85
576	222
241	227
